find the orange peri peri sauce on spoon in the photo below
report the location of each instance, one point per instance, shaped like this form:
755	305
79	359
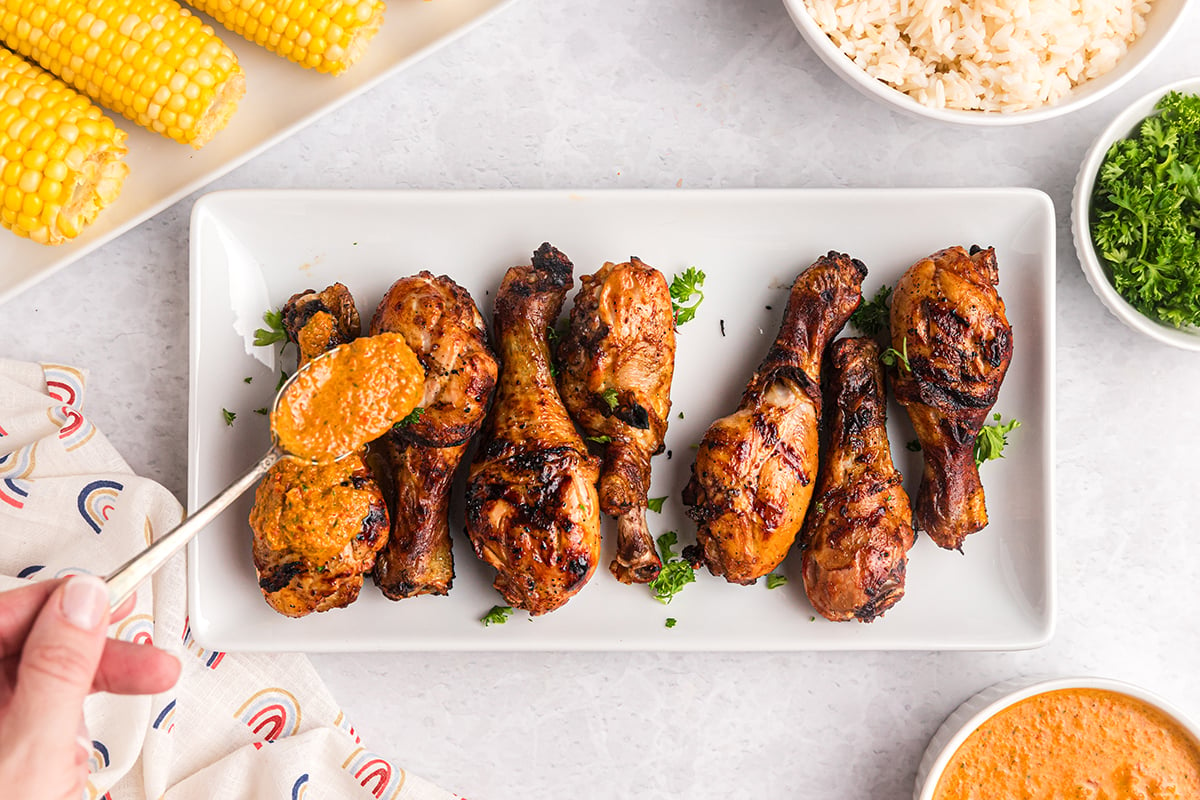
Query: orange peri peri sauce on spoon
348	397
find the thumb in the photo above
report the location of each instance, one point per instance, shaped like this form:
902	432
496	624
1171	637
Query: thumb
59	661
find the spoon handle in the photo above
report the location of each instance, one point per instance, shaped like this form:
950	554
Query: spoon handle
127	577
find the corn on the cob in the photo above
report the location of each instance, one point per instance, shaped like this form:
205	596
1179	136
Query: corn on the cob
326	35
150	60
60	156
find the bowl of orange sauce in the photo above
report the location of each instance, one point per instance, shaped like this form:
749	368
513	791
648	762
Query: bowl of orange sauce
1062	738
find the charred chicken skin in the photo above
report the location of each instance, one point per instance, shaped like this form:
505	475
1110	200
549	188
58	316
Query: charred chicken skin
949	321
857	535
317	529
615	368
755	469
442	325
532	511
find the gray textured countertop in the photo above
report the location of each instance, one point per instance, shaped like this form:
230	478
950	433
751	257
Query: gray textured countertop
706	94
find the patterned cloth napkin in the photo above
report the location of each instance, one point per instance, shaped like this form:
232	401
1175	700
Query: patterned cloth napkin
237	725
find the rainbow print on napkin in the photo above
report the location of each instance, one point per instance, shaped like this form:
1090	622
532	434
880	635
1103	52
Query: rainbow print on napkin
236	725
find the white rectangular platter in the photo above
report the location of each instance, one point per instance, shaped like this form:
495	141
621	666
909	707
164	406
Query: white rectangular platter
250	251
281	97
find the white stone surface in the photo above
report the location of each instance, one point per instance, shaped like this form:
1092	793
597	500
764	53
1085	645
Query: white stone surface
619	93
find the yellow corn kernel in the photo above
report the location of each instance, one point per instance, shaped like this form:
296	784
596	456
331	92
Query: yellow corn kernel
108	49
60	156
326	35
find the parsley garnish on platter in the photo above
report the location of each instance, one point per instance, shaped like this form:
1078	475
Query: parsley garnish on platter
1146	212
676	572
775	580
670	623
228	416
410	418
685	286
609	396
497	616
274	332
990	442
602	439
893	356
655	504
872	316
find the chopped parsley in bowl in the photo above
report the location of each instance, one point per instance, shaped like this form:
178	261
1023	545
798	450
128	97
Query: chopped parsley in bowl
1136	215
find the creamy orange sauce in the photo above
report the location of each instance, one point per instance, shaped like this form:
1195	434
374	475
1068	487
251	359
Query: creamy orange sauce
317	335
312	510
343	400
1075	743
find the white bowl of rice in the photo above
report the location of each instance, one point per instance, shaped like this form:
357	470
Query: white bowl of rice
986	62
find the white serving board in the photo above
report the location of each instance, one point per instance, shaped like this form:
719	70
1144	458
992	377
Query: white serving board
252	250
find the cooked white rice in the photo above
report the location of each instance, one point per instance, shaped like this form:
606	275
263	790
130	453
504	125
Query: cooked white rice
989	55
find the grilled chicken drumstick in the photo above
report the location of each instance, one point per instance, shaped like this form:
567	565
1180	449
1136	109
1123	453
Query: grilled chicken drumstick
753	475
949	322
858	533
442	325
532	510
317	528
615	367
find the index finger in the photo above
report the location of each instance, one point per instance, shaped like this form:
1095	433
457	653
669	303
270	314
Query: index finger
19	608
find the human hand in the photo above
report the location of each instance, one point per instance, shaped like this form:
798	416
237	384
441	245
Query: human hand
54	651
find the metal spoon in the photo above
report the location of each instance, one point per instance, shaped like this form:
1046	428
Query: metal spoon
126	578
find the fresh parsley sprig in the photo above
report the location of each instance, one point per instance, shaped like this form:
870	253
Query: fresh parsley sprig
410	418
872	316
992	439
497	616
274	332
685	286
676	571
893	356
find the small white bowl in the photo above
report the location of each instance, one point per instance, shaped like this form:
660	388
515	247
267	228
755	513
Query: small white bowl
991	701
1096	272
1161	21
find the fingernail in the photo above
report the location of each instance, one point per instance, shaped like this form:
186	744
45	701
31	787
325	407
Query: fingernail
84	601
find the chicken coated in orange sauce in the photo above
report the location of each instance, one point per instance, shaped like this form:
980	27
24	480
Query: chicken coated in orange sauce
316	529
